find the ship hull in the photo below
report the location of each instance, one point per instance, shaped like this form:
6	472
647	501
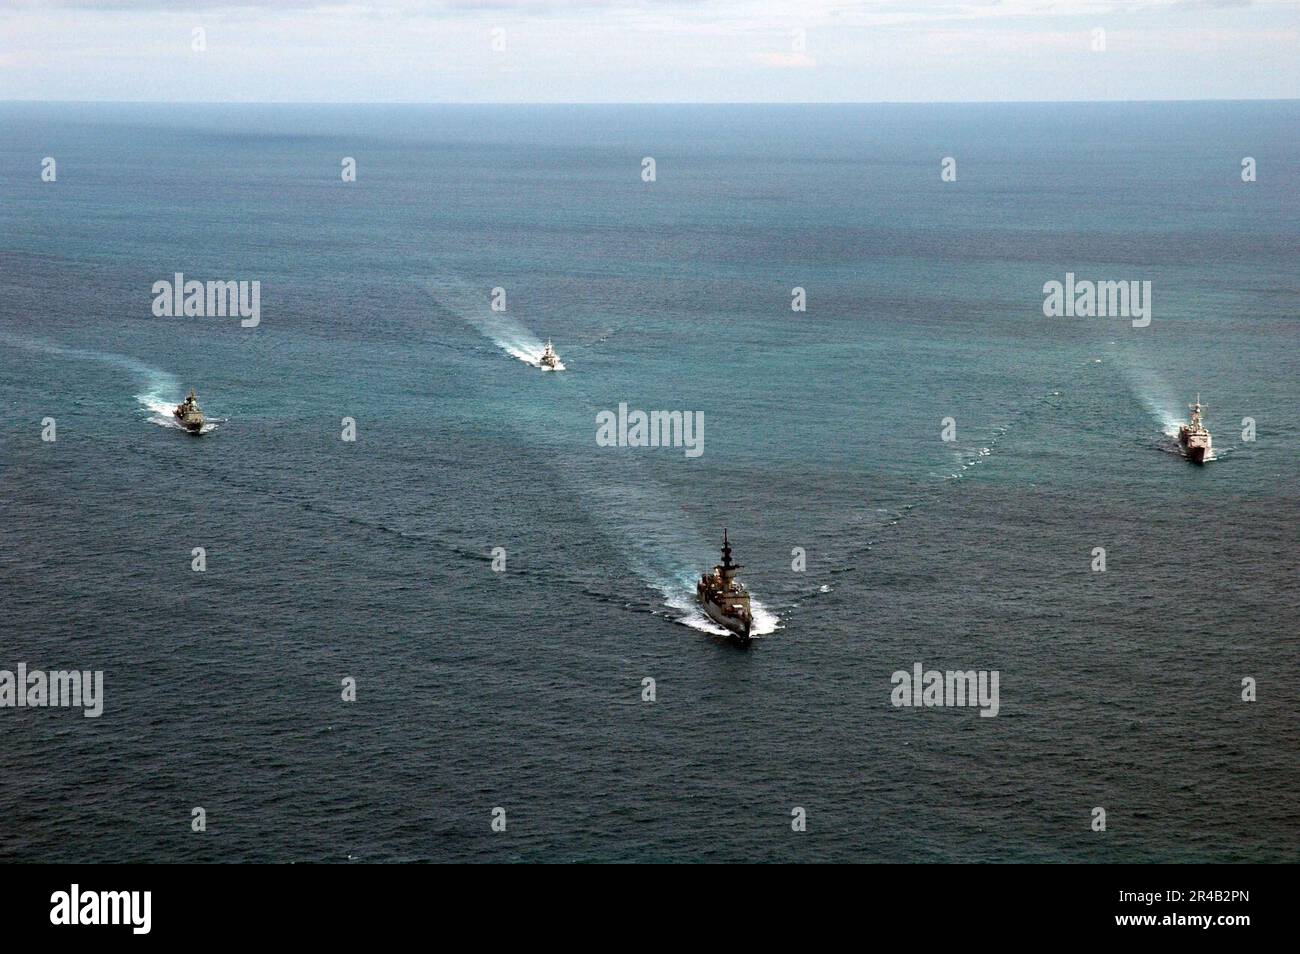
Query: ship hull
1196	453
191	425
737	630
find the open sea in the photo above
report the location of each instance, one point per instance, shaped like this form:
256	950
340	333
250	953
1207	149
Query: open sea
523	689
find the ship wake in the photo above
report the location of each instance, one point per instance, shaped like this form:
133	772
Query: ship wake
158	388
471	305
1153	392
660	543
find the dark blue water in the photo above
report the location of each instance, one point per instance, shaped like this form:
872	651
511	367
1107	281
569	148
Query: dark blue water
522	689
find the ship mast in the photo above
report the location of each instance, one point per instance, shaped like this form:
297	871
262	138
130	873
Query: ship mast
726	567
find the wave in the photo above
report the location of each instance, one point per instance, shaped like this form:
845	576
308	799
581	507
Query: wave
966	457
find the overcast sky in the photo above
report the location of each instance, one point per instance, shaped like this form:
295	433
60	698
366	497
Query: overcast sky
648	50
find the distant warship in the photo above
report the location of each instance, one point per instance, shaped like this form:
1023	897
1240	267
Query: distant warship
724	599
550	361
1194	438
189	414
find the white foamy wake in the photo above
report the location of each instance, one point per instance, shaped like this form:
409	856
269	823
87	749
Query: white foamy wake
1163	413
764	621
159	389
473	306
158	400
523	349
1153	392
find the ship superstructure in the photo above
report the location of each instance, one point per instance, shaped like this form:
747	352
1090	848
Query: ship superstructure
1194	437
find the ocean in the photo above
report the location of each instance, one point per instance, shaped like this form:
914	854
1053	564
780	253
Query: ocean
523	688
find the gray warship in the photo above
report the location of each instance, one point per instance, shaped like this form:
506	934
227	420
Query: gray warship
189	414
550	361
724	599
1194	437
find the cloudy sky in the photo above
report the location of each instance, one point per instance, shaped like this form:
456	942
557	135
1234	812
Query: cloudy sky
648	50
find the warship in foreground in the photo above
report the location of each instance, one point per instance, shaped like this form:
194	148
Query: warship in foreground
1194	438
550	361
724	599
189	414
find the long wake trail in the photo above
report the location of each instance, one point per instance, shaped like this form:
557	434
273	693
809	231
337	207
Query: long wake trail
472	305
158	389
1151	389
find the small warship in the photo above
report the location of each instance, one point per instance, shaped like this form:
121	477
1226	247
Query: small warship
1194	438
725	600
189	414
550	361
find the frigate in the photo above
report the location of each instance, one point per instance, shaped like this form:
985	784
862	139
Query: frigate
189	414
1194	438
724	598
550	361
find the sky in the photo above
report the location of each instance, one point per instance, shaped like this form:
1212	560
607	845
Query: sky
520	51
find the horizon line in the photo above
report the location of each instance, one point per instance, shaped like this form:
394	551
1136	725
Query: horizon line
683	102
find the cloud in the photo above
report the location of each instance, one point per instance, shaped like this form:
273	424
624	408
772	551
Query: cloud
735	13
787	61
356	6
646	50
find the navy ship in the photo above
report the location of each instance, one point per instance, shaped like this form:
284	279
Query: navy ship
550	361
1194	437
724	599
189	414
